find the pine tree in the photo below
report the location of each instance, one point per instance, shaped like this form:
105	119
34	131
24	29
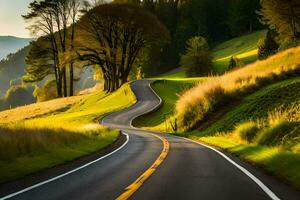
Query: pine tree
268	46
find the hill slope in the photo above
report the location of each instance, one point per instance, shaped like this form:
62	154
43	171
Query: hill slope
253	112
12	68
244	47
43	135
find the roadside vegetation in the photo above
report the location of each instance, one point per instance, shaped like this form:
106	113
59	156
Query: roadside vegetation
196	104
169	89
46	134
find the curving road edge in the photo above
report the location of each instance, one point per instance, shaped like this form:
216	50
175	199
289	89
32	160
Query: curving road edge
152	165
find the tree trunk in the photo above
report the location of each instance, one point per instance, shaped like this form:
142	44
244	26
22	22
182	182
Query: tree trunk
71	79
64	78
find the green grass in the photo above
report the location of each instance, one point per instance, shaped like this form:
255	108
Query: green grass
284	95
169	90
52	138
244	47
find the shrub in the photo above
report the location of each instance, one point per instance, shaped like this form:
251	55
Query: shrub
208	99
274	134
18	96
46	92
197	60
247	131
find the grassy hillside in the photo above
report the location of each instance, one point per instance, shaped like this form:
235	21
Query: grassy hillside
253	112
197	104
42	135
245	48
169	89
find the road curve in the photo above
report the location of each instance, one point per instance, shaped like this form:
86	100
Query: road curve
189	170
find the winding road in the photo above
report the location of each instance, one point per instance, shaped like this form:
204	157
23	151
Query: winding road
155	166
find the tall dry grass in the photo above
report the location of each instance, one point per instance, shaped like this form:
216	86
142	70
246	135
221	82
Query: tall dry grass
18	140
195	104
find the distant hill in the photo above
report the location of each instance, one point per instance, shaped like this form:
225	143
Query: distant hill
10	44
12	68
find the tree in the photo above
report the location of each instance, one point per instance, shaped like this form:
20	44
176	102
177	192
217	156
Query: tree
46	92
41	19
197	59
55	20
113	35
268	46
283	16
234	62
18	96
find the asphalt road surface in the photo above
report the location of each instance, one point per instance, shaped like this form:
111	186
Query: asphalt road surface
158	167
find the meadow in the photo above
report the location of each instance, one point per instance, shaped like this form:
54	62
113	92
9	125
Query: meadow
42	135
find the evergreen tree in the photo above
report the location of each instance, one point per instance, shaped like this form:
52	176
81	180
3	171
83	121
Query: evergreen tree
197	59
234	63
268	46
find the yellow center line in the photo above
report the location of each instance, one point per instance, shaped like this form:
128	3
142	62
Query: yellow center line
132	188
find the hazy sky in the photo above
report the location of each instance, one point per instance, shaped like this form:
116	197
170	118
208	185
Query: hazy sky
11	22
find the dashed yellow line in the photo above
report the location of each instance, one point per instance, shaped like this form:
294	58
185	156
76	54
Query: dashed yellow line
132	188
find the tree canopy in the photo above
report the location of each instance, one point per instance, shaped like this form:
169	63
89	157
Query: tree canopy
112	36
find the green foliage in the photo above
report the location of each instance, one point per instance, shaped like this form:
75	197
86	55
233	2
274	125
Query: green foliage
12	68
283	17
273	134
46	92
197	60
18	96
268	46
134	29
247	131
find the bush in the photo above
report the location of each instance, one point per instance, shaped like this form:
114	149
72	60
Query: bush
46	92
208	100
19	96
247	131
197	60
274	134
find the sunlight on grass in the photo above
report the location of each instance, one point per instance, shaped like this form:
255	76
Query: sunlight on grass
70	129
197	102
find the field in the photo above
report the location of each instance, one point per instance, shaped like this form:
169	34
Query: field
43	135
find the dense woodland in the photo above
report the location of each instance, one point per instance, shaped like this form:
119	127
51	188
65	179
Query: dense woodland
148	37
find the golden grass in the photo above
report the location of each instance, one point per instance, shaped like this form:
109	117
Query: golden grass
38	109
196	103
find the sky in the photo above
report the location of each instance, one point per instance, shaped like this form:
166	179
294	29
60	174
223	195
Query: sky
11	22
